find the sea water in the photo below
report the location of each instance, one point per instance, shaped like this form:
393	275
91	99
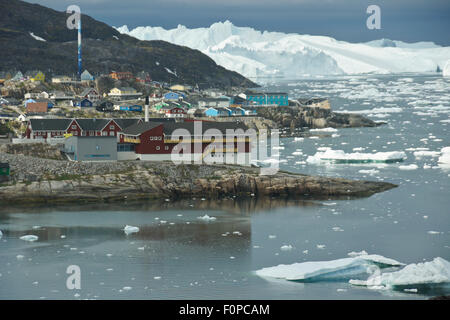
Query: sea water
178	254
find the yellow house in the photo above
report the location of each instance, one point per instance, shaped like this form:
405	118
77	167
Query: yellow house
123	91
61	79
178	87
38	77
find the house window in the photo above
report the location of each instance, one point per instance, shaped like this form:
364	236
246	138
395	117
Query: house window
97	147
111	127
151	138
104	133
111	133
74	127
166	148
158	147
75	133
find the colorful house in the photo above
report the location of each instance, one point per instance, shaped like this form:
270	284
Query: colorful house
18	76
268	98
121	75
237	111
124	92
143	77
86	76
37	76
91	94
218	112
173	96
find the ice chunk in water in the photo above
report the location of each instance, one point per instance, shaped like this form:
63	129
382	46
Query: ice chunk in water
426	273
206	218
29	237
130	229
333	270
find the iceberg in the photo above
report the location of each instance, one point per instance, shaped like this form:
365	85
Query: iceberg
340	157
446	71
130	229
334	270
445	157
269	55
426	273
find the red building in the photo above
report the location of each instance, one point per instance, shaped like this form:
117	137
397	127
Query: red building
214	142
52	128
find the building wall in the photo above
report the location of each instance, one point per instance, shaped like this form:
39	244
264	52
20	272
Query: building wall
92	148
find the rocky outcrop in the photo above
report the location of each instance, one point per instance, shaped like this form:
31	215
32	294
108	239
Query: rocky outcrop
40	150
294	117
156	180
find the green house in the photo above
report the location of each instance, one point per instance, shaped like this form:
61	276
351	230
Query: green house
4	169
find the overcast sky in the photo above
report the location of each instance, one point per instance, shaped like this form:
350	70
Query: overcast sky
407	20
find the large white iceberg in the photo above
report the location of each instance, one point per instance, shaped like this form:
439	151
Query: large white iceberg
265	55
339	156
445	157
426	273
340	269
446	70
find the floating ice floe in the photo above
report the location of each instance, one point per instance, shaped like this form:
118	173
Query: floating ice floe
372	171
286	248
340	157
207	218
420	274
130	229
334	270
29	237
444	159
409	167
1	234
324	130
420	154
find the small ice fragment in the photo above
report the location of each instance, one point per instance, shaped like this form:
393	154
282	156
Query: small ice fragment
130	229
272	236
286	248
433	232
127	288
320	246
207	218
29	237
157	278
413	290
63	236
305	251
20	257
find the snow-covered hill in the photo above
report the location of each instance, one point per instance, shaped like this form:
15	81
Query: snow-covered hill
264	55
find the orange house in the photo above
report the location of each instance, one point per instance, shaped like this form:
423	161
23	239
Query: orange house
126	75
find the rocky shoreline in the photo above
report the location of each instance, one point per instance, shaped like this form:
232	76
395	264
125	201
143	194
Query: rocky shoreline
36	180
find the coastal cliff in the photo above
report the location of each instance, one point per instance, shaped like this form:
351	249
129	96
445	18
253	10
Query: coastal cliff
35	180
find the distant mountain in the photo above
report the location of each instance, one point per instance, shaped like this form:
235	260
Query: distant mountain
35	37
266	55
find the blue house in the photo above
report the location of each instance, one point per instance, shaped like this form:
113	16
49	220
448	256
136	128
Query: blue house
85	103
86	76
268	98
136	108
218	112
173	96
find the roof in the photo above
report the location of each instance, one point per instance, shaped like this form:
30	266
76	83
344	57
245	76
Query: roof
140	127
4	165
87	90
208	99
37	106
92	124
50	124
252	93
126	122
